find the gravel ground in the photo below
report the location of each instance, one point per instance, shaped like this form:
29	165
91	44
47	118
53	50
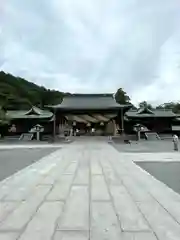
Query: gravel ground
146	146
14	160
168	173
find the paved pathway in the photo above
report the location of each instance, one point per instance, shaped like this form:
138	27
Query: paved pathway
87	191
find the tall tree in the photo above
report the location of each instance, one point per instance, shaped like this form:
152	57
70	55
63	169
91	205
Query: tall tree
167	106
145	104
3	118
22	94
175	107
122	97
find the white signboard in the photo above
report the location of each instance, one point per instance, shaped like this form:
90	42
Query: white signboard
175	128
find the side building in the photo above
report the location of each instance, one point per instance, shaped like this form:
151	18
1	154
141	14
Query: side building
22	121
160	121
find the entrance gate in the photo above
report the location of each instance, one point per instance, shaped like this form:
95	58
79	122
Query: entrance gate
88	125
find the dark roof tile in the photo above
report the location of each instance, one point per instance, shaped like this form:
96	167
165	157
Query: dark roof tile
150	113
34	112
89	101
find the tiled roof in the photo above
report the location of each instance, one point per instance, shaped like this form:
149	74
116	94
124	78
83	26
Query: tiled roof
34	112
89	101
150	113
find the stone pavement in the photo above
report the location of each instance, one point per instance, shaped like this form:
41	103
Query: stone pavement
87	191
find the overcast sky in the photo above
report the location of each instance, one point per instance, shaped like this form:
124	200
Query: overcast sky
94	45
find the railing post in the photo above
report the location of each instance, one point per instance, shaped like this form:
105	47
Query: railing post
54	125
122	121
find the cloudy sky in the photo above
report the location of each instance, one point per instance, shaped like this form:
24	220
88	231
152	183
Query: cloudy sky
94	45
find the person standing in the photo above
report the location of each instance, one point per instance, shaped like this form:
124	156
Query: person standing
71	132
77	132
74	128
93	131
175	142
109	130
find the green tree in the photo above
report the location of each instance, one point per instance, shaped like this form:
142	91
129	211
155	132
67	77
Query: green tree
3	118
166	106
144	104
4	121
21	94
122	97
175	107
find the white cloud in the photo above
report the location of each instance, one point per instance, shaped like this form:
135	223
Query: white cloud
94	46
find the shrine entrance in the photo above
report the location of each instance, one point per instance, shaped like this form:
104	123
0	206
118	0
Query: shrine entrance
91	125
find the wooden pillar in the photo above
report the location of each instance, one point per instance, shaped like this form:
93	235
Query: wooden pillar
54	125
122	121
37	136
139	135
114	127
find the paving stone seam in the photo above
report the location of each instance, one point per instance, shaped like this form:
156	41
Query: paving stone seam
155	180
170	214
56	182
59	219
40	178
95	174
115	172
58	200
137	231
99	201
20	232
11	201
133	177
90	155
45	198
10	212
111	198
66	229
74	230
3	200
143	215
151	193
90	197
153	199
65	169
81	184
28	167
37	174
41	203
119	177
71	231
43	176
45	184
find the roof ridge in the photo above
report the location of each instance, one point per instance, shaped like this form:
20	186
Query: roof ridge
162	109
144	110
35	110
89	95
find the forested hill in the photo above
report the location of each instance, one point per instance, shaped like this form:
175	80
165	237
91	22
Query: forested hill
18	93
